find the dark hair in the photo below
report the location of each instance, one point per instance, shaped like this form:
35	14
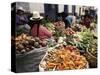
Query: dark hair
38	22
58	19
18	11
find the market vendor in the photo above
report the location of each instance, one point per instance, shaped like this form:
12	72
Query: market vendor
38	30
22	21
70	20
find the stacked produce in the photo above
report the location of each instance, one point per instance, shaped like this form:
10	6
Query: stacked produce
83	40
25	43
64	58
76	27
93	26
59	28
88	40
49	25
69	31
59	25
71	37
93	48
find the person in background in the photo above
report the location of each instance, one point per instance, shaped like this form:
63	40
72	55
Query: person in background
74	18
38	30
87	19
70	20
22	21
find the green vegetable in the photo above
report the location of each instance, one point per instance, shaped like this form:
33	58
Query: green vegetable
88	41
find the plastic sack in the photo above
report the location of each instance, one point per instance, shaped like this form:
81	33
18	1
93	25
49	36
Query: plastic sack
29	61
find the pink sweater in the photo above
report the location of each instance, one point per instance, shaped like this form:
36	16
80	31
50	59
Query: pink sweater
43	32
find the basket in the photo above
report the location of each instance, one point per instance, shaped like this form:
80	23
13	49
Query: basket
91	59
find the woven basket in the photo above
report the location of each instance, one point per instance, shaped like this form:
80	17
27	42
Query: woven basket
91	59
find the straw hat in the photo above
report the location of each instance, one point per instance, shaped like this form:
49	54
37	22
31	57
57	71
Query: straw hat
21	8
36	16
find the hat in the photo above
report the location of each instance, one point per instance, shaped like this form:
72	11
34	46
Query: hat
21	8
36	16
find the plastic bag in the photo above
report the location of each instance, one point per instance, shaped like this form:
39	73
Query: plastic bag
29	62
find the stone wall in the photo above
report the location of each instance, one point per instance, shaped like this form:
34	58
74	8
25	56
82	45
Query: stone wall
25	5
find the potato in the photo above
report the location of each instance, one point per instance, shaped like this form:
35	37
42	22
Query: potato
36	44
23	51
37	39
33	40
32	47
27	49
26	42
20	46
44	43
18	52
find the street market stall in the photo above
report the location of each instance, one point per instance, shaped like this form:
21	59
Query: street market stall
44	44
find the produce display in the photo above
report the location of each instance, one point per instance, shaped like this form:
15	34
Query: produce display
92	26
74	40
59	25
64	58
69	31
83	40
59	29
76	27
93	49
25	43
71	37
88	41
49	26
54	40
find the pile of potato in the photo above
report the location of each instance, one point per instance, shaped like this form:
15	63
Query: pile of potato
25	43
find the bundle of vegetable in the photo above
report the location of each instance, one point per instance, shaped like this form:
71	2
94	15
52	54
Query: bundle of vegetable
71	36
93	48
91	54
76	27
25	43
49	26
88	39
64	58
59	25
88	42
92	26
69	31
59	29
